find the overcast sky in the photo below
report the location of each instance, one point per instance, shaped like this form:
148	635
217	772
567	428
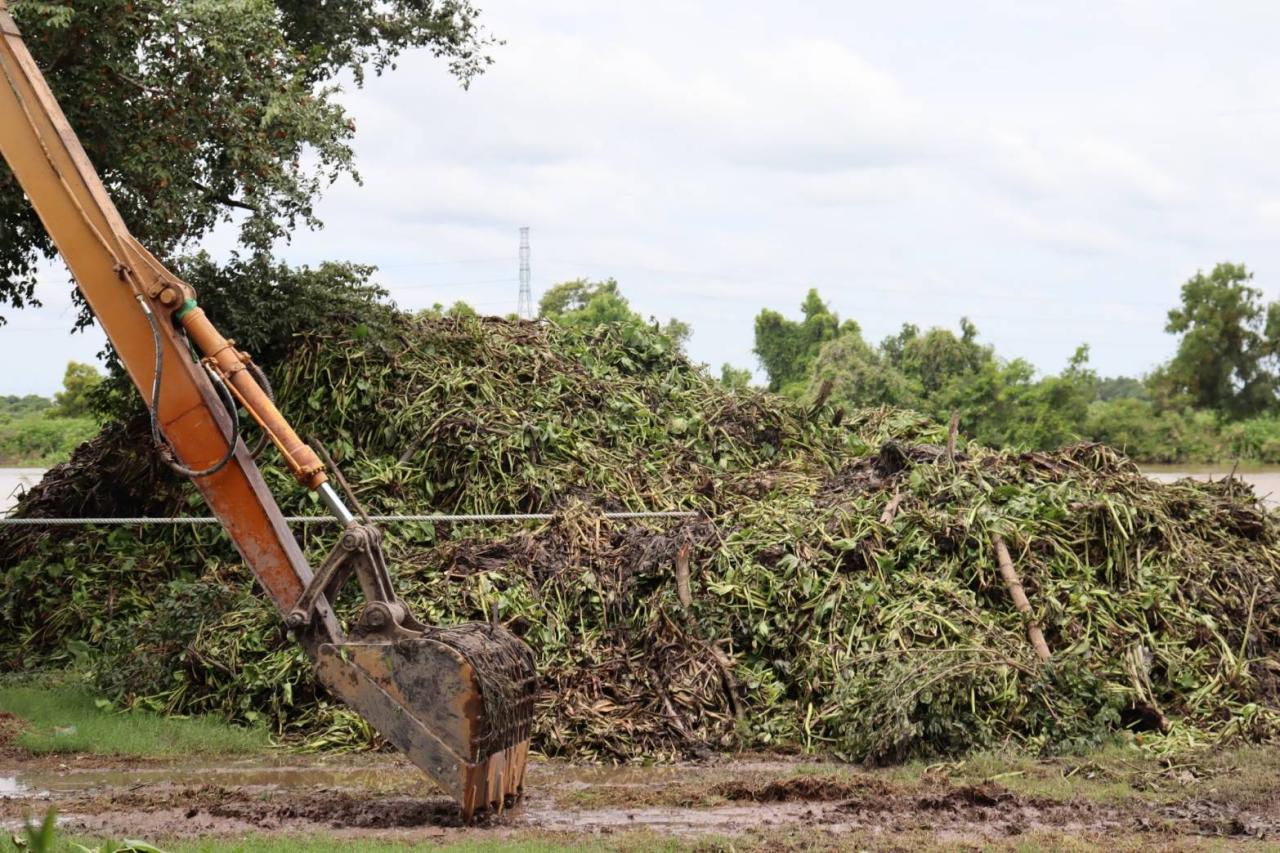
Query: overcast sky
1052	170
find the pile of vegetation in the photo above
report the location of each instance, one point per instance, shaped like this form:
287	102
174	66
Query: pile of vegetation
839	590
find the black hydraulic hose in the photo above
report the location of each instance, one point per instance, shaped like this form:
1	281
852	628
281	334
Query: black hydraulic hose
166	453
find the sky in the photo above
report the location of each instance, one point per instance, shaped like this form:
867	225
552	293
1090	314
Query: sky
1054	171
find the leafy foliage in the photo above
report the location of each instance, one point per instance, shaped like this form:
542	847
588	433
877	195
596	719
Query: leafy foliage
734	378
12	405
38	440
1228	345
937	372
78	385
36	431
262	304
583	304
1213	402
1121	388
787	349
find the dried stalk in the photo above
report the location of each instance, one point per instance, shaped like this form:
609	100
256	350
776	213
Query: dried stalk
1014	585
682	576
891	509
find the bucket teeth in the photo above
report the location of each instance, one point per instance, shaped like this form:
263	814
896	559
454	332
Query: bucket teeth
507	684
495	780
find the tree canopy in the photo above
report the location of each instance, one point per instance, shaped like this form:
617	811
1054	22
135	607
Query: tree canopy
75	400
586	304
788	348
938	372
198	112
1228	346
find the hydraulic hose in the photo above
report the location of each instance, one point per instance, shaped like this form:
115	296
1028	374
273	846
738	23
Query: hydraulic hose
166	453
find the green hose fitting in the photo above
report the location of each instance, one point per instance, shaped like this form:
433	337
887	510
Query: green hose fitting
187	307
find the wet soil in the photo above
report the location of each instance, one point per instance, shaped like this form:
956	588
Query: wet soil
754	802
10	727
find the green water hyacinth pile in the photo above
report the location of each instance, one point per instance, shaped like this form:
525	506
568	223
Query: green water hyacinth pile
838	592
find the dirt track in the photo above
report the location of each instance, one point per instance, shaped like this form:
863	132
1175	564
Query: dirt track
754	802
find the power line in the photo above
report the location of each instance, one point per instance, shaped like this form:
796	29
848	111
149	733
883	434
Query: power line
504	258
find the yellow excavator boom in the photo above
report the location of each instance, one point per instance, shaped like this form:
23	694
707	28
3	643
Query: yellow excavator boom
458	701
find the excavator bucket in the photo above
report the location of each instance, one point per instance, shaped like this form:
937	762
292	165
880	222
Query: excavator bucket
457	701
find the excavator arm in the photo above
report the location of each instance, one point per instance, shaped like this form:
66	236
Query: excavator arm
457	701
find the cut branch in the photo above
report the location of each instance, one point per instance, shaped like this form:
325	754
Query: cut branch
891	509
1014	585
682	576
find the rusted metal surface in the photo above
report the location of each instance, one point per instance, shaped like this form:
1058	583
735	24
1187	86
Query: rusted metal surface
458	701
461	718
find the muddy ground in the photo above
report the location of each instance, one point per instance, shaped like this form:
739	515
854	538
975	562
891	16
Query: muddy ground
1223	800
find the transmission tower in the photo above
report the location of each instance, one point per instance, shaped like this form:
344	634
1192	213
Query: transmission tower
524	308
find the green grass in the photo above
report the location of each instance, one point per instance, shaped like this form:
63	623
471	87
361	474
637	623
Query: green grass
66	719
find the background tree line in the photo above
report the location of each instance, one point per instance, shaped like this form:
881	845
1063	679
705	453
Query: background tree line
38	431
1217	399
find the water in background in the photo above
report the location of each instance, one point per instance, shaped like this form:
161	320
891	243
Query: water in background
13	481
1265	481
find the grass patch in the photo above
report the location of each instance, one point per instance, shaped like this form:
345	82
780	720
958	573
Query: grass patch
67	719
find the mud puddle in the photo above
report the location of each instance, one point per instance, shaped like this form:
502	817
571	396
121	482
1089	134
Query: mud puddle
387	798
73	781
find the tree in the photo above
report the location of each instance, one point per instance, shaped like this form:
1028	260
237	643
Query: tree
1121	388
300	297
198	112
457	309
734	378
787	348
584	304
937	372
859	376
937	358
75	400
1228	342
12	405
263	305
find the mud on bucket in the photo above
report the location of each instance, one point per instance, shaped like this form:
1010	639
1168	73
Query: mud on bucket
457	701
